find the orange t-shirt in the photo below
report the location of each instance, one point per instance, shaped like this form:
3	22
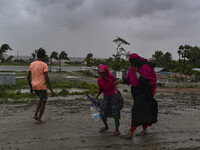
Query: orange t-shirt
38	68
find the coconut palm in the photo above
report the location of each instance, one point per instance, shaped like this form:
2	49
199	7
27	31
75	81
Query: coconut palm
180	51
54	55
157	58
62	55
4	48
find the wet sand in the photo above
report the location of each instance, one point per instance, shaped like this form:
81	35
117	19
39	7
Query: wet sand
68	126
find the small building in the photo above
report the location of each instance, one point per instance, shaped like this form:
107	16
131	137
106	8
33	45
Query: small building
162	71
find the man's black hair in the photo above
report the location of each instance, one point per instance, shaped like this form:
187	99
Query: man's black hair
41	53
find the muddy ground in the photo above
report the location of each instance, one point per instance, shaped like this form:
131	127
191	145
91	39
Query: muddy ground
68	125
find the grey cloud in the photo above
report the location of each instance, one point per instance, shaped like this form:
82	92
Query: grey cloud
87	22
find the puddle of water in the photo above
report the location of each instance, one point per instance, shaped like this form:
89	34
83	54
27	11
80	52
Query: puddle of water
71	77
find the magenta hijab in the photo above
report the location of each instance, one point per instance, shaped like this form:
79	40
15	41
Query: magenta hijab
108	75
134	55
145	71
106	84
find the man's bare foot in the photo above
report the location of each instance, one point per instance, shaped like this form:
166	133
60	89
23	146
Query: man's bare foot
143	132
129	135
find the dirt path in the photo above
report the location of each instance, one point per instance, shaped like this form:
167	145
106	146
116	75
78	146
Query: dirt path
68	127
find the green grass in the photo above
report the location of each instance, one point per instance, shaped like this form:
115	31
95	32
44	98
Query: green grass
7	91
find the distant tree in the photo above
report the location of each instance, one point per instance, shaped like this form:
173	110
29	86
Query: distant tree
89	59
9	59
194	58
54	55
62	55
157	57
163	60
120	41
180	51
121	56
97	62
34	56
4	48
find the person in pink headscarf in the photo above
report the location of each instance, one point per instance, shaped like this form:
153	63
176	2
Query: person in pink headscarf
144	110
112	101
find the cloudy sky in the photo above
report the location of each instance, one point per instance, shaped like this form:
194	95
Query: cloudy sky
80	27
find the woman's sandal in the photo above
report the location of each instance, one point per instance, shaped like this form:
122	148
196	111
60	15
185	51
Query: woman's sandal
116	133
39	122
102	129
143	133
129	135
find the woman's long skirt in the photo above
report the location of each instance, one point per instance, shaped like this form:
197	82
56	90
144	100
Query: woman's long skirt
145	107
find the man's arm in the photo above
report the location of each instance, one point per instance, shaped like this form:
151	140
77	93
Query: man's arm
29	81
48	83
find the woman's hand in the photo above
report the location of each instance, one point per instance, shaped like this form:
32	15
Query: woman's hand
117	82
135	69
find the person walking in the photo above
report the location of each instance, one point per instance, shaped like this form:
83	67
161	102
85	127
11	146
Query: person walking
38	70
142	78
112	101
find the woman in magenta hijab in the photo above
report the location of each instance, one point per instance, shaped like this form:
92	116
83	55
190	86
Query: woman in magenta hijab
144	110
112	101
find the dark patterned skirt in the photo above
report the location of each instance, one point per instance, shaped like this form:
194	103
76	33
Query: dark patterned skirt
111	106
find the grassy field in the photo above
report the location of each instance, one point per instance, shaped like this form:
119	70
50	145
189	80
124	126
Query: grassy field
13	94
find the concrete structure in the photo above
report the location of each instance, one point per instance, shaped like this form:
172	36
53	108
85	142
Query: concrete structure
7	78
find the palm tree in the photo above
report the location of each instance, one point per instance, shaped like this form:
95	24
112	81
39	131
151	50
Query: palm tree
157	58
54	55
180	51
62	55
168	57
9	59
4	48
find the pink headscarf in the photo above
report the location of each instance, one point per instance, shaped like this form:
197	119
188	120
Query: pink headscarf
106	84
134	55
145	71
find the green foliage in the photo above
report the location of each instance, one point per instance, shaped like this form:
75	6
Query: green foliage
86	73
63	92
89	60
119	60
63	55
54	55
162	60
4	48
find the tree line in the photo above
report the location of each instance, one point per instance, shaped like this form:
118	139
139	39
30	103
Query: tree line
189	58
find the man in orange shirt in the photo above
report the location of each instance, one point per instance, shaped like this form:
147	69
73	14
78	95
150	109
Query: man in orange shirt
38	70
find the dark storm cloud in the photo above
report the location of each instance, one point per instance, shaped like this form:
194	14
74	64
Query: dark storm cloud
150	24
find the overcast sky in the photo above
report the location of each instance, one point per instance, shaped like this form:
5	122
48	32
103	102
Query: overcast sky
80	27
